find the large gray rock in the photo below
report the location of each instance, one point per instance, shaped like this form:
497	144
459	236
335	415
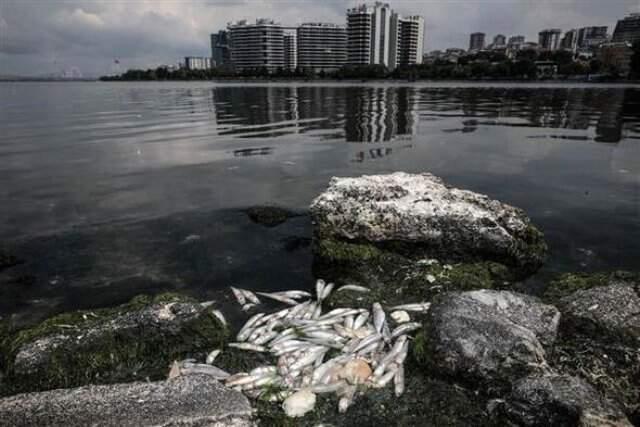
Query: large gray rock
558	400
193	400
420	216
606	313
134	341
493	337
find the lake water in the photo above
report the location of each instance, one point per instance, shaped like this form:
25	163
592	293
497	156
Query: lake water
112	189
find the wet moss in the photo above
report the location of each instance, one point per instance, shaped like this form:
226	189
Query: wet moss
568	283
94	352
426	402
407	281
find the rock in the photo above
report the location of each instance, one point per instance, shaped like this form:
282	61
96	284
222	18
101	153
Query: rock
421	217
299	403
608	313
493	337
558	400
137	340
567	283
192	400
269	216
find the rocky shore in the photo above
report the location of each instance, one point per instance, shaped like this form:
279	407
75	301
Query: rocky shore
485	354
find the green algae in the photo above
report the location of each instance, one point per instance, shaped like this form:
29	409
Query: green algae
110	355
568	283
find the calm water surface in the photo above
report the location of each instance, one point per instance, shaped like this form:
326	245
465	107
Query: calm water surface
112	189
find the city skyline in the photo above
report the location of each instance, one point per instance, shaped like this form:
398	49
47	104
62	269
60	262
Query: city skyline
93	35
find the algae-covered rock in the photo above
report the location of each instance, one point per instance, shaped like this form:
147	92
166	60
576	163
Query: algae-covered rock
568	283
192	400
558	400
418	216
606	313
492	337
137	340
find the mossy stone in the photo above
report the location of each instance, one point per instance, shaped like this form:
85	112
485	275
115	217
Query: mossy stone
568	283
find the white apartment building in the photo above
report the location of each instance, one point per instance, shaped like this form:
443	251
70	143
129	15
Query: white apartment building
322	47
259	45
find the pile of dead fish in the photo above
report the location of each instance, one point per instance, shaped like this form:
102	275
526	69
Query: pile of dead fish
315	352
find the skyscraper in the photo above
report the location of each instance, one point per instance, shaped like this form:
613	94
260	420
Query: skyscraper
549	39
476	41
259	45
220	48
628	29
409	34
499	40
570	40
322	47
591	37
370	35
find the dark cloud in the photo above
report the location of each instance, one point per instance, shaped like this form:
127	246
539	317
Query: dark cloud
42	36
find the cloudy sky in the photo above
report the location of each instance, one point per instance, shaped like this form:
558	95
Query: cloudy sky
46	36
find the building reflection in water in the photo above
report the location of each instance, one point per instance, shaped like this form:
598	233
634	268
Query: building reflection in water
373	114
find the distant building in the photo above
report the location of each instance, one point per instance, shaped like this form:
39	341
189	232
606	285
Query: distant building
220	53
197	63
257	46
499	41
549	39
591	37
516	40
290	40
570	41
407	49
627	29
616	55
476	41
322	47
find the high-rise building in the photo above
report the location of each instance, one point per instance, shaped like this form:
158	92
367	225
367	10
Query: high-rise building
589	37
627	29
259	45
407	47
220	48
369	34
499	40
549	39
290	36
516	40
570	40
476	41
322	47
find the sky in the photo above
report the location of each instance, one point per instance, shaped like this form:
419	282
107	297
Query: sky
38	37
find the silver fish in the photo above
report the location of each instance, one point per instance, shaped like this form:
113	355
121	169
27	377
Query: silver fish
279	298
201	368
247	346
248	306
250	296
328	388
327	291
405	328
378	316
354	288
239	295
420	307
219	316
398	381
207	304
247	329
320	284
211	357
360	320
239	379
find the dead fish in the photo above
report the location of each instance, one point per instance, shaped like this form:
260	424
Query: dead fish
328	388
211	357
361	320
247	346
248	306
319	288
378	316
398	381
219	316
239	295
250	296
421	307
247	329
207	304
354	288
279	298
405	328
200	368
327	291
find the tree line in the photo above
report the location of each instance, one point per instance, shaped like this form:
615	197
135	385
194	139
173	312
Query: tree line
483	65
